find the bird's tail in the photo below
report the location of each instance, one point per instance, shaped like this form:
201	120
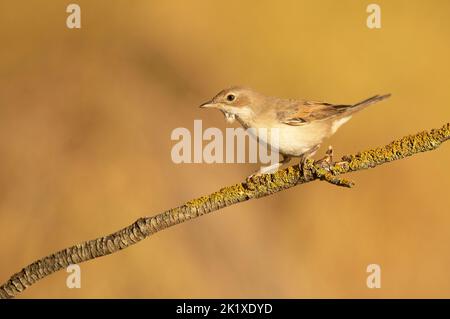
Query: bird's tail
371	100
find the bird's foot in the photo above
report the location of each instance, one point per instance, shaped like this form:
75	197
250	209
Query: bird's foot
306	156
327	161
326	173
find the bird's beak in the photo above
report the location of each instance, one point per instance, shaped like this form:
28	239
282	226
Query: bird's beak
208	104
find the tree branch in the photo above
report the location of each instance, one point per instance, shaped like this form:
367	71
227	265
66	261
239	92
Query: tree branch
251	188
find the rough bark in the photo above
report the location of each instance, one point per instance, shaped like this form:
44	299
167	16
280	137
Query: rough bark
254	187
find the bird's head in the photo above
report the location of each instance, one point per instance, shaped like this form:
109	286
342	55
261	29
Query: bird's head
234	102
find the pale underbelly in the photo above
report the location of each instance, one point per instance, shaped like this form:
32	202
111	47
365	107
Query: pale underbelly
295	140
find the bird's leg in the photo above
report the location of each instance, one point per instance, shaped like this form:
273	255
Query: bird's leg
307	155
286	159
328	159
326	173
330	153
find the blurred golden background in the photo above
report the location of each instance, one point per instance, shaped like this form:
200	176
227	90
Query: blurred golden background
85	123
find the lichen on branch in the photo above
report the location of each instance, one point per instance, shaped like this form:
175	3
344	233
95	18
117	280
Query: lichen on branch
251	188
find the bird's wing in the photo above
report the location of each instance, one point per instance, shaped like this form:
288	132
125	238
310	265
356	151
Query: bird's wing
302	112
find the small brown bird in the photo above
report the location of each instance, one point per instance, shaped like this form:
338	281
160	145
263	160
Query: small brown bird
302	125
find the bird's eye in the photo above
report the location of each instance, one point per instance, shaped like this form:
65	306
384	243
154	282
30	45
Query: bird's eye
231	97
